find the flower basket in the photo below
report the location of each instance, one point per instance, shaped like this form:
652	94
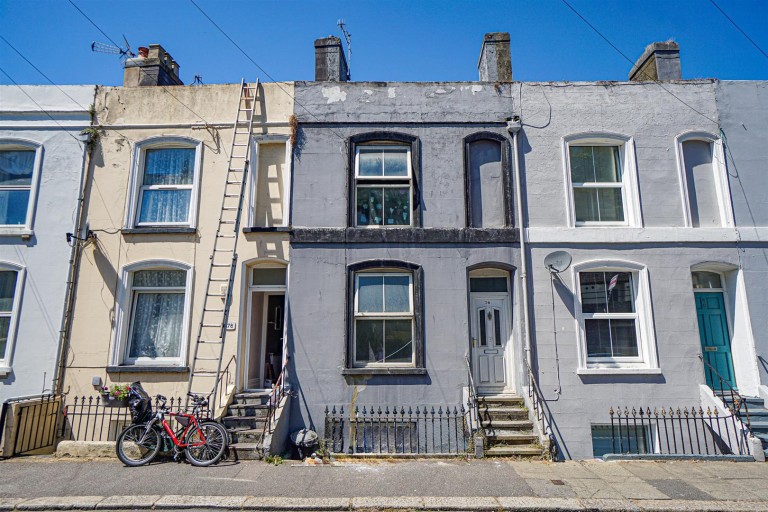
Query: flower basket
111	401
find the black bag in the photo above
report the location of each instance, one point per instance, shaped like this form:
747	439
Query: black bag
139	403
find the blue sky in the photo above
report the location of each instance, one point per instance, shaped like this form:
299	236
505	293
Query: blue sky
394	40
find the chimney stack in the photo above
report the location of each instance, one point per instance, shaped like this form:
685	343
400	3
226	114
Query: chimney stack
153	66
330	63
495	64
659	61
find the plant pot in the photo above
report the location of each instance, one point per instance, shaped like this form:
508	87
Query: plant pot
111	401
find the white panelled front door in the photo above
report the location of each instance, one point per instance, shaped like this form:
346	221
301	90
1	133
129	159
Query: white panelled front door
490	333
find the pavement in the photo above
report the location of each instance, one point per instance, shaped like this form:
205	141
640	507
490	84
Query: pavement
49	483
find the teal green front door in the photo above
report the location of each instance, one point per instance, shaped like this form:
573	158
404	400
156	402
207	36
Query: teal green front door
715	340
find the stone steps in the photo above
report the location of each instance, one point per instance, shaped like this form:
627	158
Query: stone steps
507	426
245	421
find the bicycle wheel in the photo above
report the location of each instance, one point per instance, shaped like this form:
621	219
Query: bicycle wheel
134	448
209	452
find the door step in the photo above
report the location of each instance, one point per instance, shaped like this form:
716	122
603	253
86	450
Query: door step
248	451
513	451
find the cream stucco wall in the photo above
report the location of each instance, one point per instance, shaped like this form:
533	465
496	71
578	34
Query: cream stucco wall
131	115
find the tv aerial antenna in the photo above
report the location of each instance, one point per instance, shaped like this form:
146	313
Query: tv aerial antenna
348	39
125	53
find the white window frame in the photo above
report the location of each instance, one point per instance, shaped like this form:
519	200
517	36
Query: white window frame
397	182
136	185
383	316
647	359
125	305
6	360
629	187
253	170
722	189
11	144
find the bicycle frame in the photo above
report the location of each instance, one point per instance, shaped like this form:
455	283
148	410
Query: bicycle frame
177	441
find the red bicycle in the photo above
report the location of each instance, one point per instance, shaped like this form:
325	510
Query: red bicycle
202	441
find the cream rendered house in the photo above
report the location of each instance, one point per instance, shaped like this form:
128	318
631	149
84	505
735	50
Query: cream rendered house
154	196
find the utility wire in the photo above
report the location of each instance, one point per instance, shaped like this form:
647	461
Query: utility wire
56	85
739	29
645	74
43	74
140	69
67	130
224	33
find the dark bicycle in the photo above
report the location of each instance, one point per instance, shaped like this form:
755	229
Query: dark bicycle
203	441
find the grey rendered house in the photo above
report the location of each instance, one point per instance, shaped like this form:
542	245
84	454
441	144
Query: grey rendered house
403	234
637	182
410	277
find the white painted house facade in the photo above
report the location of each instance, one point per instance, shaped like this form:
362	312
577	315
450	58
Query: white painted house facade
41	168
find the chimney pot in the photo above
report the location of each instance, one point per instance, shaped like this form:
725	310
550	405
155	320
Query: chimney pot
495	63
659	61
330	63
143	52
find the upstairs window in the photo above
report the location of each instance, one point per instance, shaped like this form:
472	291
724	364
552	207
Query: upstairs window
19	162
165	184
383	186
596	176
706	195
488	191
601	177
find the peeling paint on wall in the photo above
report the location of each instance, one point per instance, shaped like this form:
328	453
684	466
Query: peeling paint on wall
334	94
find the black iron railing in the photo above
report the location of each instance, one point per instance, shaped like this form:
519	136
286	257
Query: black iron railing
423	430
35	422
723	388
87	418
676	431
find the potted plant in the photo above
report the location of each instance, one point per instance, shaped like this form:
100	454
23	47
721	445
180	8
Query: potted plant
115	396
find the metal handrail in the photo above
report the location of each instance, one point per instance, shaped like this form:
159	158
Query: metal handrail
472	404
537	402
275	397
736	400
219	389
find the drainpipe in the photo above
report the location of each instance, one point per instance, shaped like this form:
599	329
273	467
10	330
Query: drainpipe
514	126
75	253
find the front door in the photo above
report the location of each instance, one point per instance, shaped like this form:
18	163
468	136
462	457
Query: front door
490	332
273	339
715	340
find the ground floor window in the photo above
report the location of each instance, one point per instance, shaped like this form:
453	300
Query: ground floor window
8	279
383	329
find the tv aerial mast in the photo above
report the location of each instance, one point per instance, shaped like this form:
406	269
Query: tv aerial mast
348	39
125	53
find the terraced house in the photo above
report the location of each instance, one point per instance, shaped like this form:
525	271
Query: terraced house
173	252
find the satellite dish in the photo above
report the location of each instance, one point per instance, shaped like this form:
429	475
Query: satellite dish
557	261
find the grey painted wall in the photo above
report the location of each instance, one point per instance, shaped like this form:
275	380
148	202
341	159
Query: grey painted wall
743	110
46	254
440	115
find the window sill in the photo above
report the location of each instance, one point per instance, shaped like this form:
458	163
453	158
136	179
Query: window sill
272	229
14	231
159	230
384	371
147	369
5	371
618	371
